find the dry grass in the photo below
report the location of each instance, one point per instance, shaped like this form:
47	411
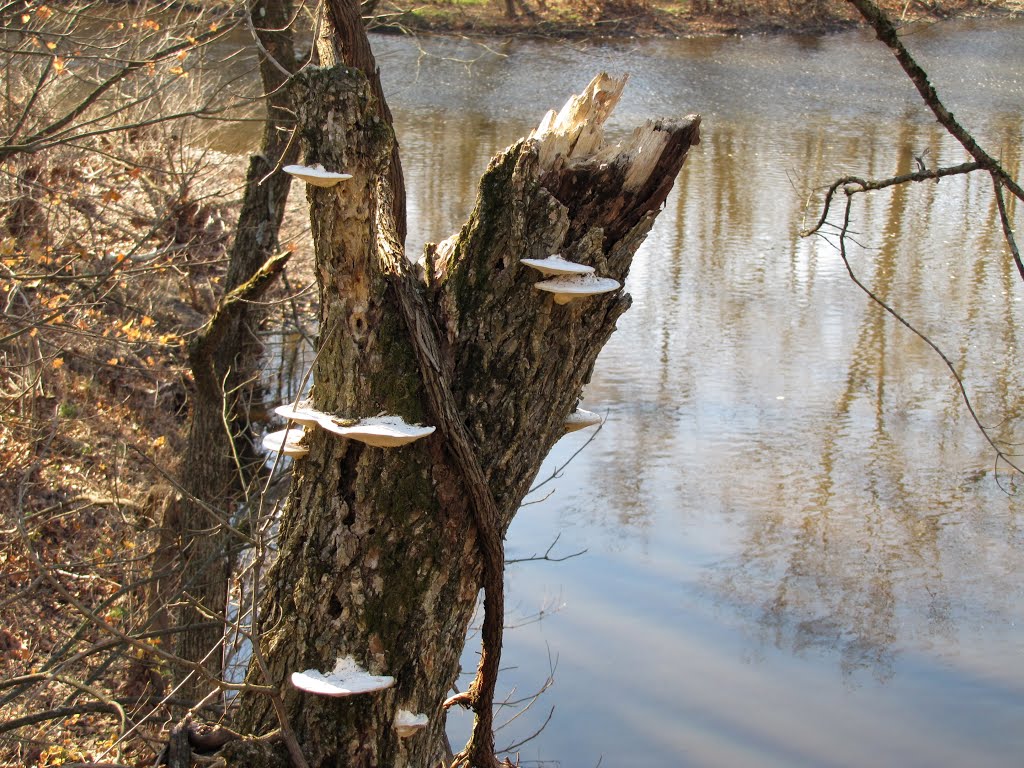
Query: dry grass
102	285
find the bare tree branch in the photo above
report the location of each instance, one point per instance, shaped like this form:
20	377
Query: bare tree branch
1000	453
547	555
38	140
853	184
886	32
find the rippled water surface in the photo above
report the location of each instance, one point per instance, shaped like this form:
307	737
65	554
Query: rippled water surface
797	548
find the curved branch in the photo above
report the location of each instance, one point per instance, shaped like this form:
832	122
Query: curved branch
486	515
853	184
886	32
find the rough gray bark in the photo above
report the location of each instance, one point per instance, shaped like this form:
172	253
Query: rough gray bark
343	40
224	358
379	550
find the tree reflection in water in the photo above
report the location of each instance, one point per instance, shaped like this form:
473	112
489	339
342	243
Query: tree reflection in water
786	475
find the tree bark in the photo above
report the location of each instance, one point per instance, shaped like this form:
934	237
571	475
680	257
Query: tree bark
224	360
381	555
344	41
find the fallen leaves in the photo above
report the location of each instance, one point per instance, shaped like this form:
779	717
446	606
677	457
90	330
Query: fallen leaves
11	647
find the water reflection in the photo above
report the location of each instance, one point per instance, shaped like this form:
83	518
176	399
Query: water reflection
862	555
799	553
788	484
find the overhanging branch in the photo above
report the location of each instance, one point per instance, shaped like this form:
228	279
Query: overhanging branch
886	32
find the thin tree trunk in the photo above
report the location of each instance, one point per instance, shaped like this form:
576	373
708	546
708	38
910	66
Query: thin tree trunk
224	359
381	556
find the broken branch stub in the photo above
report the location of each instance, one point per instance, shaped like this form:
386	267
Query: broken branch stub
517	374
564	190
613	187
578	129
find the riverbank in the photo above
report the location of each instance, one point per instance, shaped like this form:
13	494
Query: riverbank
573	19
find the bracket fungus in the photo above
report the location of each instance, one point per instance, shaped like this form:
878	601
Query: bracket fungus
406	723
581	419
316	175
301	413
347	679
286	441
568	288
556	265
379	431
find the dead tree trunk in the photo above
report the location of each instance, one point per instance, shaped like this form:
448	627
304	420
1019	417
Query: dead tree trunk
224	359
382	551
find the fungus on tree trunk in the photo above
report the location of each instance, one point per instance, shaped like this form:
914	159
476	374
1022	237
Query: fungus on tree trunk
568	288
556	265
346	679
378	431
408	724
286	441
316	175
301	412
581	419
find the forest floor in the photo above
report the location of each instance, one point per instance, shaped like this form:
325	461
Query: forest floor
93	402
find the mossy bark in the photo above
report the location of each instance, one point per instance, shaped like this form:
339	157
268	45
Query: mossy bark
379	553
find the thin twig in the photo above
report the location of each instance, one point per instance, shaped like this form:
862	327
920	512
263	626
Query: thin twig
1000	453
853	184
1004	218
547	555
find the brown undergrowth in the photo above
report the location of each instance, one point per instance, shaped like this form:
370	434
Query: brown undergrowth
106	272
102	283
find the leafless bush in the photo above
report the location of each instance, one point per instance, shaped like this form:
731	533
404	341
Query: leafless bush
113	229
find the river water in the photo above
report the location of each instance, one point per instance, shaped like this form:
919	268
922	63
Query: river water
799	548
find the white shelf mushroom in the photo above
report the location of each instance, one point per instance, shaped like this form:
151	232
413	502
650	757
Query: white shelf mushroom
566	289
581	419
406	723
302	413
556	265
316	175
380	431
286	441
347	679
